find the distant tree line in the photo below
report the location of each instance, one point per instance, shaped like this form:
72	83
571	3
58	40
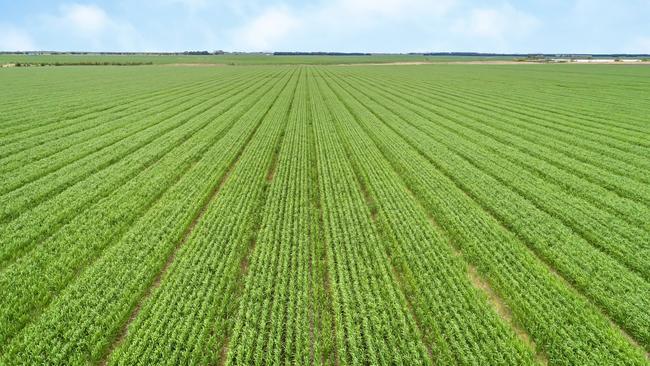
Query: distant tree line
81	63
530	55
321	54
41	53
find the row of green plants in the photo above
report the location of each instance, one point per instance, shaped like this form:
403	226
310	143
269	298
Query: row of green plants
455	319
481	196
37	143
39	99
623	158
372	320
65	167
571	95
324	216
575	176
601	228
82	63
187	320
624	173
280	318
32	282
46	204
600	97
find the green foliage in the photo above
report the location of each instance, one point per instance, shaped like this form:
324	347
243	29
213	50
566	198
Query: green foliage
224	59
432	214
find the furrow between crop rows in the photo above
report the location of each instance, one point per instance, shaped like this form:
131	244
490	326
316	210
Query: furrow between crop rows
20	234
428	184
201	282
53	266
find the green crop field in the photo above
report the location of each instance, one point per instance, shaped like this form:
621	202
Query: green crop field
231	59
310	214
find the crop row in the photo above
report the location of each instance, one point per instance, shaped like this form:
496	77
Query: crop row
373	321
279	319
630	150
68	104
596	104
187	318
457	321
540	152
616	170
44	219
325	215
560	322
97	134
29	195
602	229
564	118
621	292
39	146
31	282
544	161
81	97
622	198
598	99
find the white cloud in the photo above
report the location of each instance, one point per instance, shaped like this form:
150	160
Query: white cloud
277	26
85	18
14	39
345	16
262	32
191	5
497	24
382	10
91	28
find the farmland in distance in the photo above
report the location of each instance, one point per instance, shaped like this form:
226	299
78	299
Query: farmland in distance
312	214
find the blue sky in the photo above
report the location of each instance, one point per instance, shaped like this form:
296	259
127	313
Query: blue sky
567	26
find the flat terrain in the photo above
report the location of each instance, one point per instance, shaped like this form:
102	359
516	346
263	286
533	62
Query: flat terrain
420	214
236	59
